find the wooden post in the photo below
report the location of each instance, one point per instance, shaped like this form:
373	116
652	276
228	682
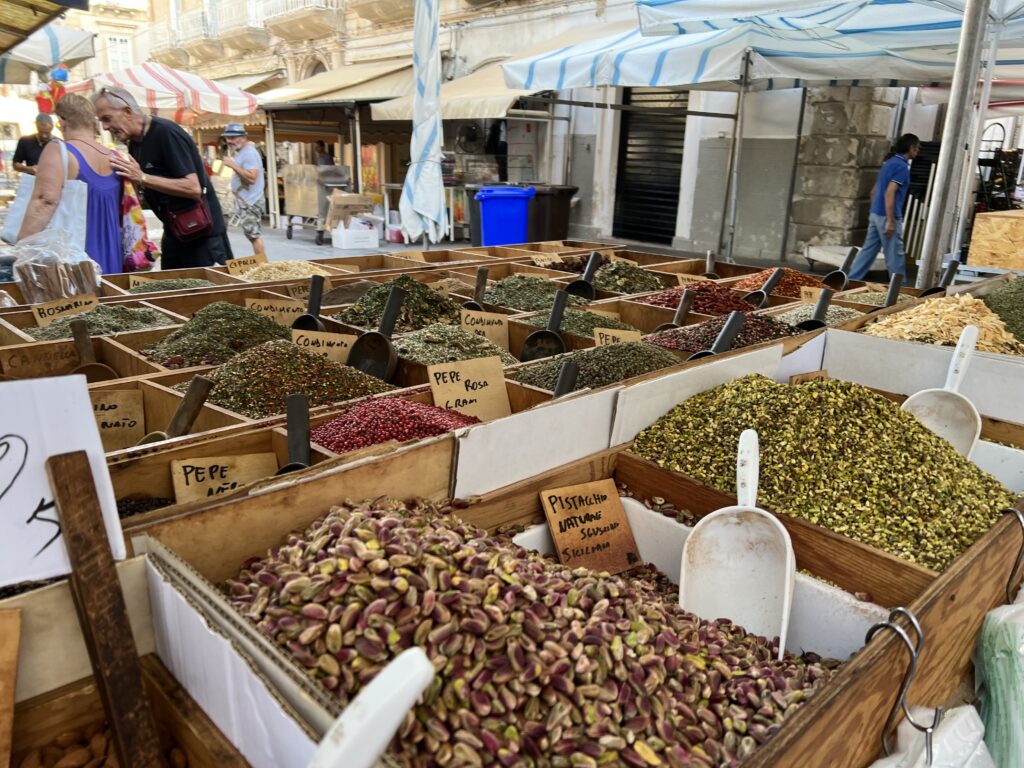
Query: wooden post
10	637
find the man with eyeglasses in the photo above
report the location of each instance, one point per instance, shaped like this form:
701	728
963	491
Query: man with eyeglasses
164	163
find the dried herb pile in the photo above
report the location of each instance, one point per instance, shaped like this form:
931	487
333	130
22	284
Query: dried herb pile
1008	303
623	277
136	505
567	263
440	343
709	298
833	316
599	366
283	270
214	335
790	284
840	456
172	284
256	383
526	293
696	338
422	307
381	419
536	664
875	298
103	320
579	322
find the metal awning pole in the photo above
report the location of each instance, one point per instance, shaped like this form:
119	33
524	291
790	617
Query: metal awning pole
275	202
960	100
737	149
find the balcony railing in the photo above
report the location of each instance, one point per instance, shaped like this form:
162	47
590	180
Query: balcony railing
275	8
239	14
163	36
198	25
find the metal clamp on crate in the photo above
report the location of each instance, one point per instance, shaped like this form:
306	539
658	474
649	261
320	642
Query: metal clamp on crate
901	703
1012	579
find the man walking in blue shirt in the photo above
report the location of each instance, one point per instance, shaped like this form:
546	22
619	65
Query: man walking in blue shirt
247	184
885	224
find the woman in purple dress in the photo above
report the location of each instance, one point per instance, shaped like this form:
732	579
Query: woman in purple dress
88	161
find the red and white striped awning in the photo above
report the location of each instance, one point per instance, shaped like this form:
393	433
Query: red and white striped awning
174	94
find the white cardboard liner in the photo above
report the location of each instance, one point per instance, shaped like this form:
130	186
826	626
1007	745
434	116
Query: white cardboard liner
824	619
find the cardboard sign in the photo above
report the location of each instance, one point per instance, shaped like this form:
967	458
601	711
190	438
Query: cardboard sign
606	312
800	378
333	346
589	527
493	325
120	417
605	336
474	387
683	278
215	475
809	294
300	292
546	261
29	361
46	313
283	311
245	263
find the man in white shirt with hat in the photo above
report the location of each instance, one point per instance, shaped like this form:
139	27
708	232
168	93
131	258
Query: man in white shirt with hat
247	184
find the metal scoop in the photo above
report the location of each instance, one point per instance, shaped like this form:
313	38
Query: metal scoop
311	320
726	336
87	364
817	318
566	381
893	294
738	562
373	352
759	297
477	302
547	342
186	413
947	278
709	266
838	279
583	287
298	434
681	311
945	411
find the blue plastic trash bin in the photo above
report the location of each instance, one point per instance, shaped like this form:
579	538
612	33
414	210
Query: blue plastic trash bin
504	214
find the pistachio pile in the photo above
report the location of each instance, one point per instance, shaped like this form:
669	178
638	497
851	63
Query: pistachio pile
840	456
623	277
420	308
526	293
536	664
440	343
1008	303
579	322
283	270
598	366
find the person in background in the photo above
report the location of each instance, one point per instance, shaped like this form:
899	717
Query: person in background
885	223
164	163
90	162
247	184
30	148
321	155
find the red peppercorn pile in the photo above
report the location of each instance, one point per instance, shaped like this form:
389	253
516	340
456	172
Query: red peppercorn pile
709	298
696	338
790	284
386	418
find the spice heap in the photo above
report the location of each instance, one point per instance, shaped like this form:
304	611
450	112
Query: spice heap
598	366
526	293
103	320
579	322
257	382
840	456
941	320
875	298
136	505
175	284
696	338
709	298
214	335
789	285
283	270
623	277
567	263
447	285
386	418
92	747
536	664
347	293
421	307
833	316
1008	303
440	343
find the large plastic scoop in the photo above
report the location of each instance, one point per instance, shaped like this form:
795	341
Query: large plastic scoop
566	381
759	297
298	434
361	735
738	562
311	320
685	303
946	280
945	411
709	266
186	413
87	365
477	302
725	338
373	352
838	279
893	294
584	286
817	318
548	342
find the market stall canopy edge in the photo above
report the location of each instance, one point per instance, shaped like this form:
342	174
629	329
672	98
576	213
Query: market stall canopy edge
43	50
25	17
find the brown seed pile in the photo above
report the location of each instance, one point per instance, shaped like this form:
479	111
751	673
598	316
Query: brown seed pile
790	284
536	664
90	747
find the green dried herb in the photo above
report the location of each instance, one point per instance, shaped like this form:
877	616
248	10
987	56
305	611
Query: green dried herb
526	293
875	298
440	343
1008	303
175	284
599	366
103	320
422	307
623	277
580	322
834	315
214	335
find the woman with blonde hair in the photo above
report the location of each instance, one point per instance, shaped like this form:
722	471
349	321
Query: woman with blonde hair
88	161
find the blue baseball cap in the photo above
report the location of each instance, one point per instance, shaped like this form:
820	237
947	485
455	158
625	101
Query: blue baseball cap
235	129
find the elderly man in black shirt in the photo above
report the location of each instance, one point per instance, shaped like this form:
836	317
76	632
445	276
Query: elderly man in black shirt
30	148
165	164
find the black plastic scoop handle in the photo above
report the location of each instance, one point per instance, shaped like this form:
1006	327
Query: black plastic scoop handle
947	278
476	304
893	294
681	311
373	352
760	296
838	279
817	319
298	434
725	339
548	342
311	320
567	374
709	266
583	287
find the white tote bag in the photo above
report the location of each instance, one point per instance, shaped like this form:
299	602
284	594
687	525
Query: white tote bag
70	216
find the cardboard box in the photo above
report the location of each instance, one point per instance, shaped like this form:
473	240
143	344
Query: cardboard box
344	205
348	239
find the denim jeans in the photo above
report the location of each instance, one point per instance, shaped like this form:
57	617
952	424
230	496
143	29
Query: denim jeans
877	240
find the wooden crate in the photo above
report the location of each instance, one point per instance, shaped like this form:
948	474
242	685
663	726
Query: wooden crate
997	240
569	246
13	324
723	269
447	257
54	358
120	283
377	262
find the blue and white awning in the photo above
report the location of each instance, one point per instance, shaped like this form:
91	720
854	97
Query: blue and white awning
43	50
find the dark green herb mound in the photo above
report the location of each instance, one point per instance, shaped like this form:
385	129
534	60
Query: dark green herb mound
526	293
422	306
581	323
103	321
257	382
839	456
214	335
1008	303
440	343
175	284
623	277
599	366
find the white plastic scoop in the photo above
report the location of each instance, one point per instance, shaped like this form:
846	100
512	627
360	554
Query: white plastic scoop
738	562
945	411
360	736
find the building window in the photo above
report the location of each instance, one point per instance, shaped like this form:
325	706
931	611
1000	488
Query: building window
119	52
